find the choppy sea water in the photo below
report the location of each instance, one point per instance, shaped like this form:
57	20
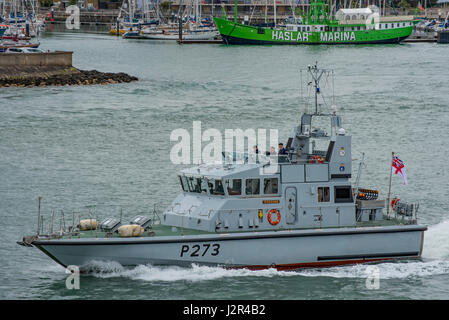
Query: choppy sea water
107	148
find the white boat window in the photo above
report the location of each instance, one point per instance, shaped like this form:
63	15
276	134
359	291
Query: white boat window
216	187
234	187
270	186
324	194
252	186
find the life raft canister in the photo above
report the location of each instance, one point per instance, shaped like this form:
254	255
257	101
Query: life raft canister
316	159
278	217
393	202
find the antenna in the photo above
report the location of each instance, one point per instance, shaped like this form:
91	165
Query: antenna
316	76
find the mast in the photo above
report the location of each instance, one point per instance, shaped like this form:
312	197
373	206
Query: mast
196	12
316	76
389	186
317	10
274	6
235	11
266	10
359	173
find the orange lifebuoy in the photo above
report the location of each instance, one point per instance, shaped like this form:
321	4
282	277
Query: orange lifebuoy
278	218
316	159
393	202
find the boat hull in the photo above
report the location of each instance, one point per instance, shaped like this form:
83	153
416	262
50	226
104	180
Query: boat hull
241	41
3	47
253	250
235	33
185	36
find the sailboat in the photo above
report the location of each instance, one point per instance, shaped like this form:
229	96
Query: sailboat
19	20
126	20
193	29
18	25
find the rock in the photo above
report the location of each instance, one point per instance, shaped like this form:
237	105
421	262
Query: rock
41	76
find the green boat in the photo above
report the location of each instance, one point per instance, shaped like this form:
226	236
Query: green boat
318	26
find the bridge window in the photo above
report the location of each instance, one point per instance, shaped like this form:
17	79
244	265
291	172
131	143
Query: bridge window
216	187
270	186
234	187
194	184
203	185
343	194
184	183
324	194
252	186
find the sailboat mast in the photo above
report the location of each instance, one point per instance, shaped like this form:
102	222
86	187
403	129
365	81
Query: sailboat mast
275	18
266	11
235	11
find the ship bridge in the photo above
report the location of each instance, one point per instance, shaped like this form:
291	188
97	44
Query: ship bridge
309	187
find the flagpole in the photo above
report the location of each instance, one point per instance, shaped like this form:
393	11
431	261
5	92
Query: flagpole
389	187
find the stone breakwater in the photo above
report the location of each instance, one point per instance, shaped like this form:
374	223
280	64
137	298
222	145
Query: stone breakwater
32	76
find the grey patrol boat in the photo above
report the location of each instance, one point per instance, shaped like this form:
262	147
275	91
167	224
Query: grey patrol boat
303	212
